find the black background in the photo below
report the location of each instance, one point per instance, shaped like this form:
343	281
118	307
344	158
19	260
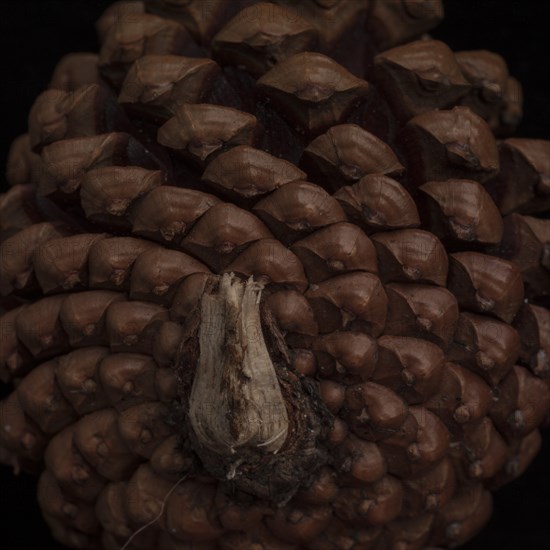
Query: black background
34	34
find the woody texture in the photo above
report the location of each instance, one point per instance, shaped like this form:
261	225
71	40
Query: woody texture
274	276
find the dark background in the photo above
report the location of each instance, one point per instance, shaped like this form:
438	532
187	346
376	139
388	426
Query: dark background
34	34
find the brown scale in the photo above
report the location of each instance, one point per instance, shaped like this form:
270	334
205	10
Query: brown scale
166	343
488	347
69	468
82	316
133	35
533	326
409	533
463	517
421	311
269	261
57	115
190	512
297	209
15	358
61	264
187	298
75	70
107	194
54	502
39	328
132	326
486	284
244	515
293	315
167	542
462	211
170	460
20	436
494	95
110	262
378	203
303	362
346	153
373	411
98	439
449	144
345	356
259	538
42	400
323	488
22	165
64	163
143	427
261	36
523	183
418	77
358	462
526	242
145	493
157	85
483	451
17	252
116	11
157	272
392	23
78	378
199	132
298	524
429	491
222	233
354	301
411	367
462	398
521	402
411	256
166	214
127	379
245	174
312	91
18	210
335	249
341	536
371	505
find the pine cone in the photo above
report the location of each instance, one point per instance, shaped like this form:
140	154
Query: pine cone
259	293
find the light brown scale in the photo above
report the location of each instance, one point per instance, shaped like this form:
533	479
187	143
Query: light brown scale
75	70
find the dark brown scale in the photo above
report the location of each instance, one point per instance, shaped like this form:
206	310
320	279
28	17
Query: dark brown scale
421	311
157	85
462	211
18	209
61	264
410	533
378	203
411	256
222	233
132	326
156	274
261	36
78	377
170	460
57	115
449	144
523	183
312	91
520	404
42	399
297	209
418	77
64	163
355	301
292	313
486	346
166	214
22	165
411	367
345	356
75	70
346	153
246	174
526	242
533	326
359	462
336	249
486	284
199	132
133	35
